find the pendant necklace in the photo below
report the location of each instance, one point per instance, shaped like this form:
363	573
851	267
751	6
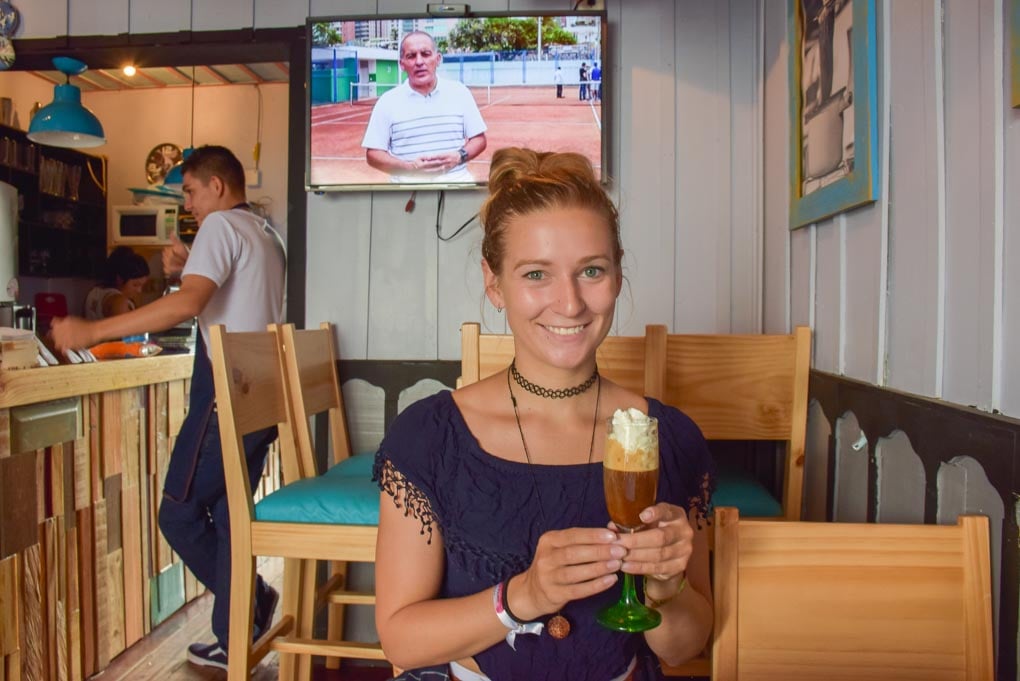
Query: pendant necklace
558	626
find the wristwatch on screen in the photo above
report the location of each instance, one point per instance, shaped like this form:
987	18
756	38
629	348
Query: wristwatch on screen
463	155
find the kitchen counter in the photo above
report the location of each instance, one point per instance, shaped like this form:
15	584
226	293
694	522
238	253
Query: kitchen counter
28	386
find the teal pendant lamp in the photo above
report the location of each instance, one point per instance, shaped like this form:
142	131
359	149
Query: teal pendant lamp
65	122
175	176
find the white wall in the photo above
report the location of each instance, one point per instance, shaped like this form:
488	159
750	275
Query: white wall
919	290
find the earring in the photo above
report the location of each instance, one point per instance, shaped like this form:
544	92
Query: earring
499	308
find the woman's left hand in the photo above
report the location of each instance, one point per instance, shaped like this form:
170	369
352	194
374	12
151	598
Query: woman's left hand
663	548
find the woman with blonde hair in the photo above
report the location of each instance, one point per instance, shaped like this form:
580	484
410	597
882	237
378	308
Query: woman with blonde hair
495	548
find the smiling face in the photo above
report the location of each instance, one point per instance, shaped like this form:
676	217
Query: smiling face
202	198
419	59
558	282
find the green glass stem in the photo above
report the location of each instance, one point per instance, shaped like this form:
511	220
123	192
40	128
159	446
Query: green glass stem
629	614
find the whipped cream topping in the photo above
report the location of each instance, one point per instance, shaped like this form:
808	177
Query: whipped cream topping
633	441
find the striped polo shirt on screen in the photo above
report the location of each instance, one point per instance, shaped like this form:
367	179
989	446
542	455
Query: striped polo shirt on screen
408	125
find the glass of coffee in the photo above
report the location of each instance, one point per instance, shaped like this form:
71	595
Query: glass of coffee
631	478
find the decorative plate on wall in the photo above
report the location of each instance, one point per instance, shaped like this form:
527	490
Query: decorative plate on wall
160	160
9	19
6	53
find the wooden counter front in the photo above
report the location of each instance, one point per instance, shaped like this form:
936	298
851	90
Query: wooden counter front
84	570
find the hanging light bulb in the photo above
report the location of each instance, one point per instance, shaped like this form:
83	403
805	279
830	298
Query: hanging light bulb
65	122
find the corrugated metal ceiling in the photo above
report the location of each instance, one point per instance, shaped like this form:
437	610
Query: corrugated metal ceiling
175	76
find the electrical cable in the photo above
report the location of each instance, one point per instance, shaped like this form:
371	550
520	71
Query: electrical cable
439	220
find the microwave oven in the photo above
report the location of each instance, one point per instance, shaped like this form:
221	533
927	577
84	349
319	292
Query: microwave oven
143	225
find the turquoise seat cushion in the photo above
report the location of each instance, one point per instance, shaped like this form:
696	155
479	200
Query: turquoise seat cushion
750	497
357	466
345	495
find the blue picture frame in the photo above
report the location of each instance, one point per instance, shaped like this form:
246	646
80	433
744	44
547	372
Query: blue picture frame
833	80
1014	44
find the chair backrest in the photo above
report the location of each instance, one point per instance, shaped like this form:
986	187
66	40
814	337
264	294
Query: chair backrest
635	362
805	600
313	387
250	395
746	387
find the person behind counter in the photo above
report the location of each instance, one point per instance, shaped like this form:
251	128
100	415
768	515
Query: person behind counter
233	275
125	274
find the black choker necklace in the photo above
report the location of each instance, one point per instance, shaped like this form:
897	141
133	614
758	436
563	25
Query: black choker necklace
558	393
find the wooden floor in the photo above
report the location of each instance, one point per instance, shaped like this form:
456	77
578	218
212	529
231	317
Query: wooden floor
161	656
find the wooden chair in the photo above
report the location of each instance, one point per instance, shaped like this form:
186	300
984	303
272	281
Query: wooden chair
253	391
805	600
746	387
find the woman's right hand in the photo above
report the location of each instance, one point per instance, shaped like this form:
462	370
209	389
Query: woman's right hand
568	565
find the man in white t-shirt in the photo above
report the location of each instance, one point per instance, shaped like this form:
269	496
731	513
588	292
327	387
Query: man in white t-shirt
427	128
233	275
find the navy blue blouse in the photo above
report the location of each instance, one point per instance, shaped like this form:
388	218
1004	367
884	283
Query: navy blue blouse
486	511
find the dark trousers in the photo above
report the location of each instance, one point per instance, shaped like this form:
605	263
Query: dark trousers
559	91
198	528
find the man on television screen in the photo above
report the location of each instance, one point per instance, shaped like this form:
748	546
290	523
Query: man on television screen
427	128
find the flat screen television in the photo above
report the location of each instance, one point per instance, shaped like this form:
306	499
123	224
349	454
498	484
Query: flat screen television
532	79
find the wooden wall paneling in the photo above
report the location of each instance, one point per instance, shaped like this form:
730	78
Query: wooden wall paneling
176	406
646	183
112	496
861	291
10	608
33	630
112	440
131	441
19	514
102	582
73	600
82	473
41	476
776	171
1010	373
340	226
55	457
746	148
115	596
43	19
318	8
95	445
161	554
134	576
826	332
87	588
973	97
5	433
914	271
97	17
158	16
461	290
801	284
402	279
271	13
49	559
222	15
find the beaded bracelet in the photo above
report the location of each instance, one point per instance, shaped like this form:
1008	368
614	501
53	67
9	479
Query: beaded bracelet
656	604
515	627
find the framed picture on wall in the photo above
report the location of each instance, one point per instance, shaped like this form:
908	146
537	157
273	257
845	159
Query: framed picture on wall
1014	43
833	108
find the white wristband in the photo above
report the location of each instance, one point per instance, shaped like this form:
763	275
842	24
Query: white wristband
515	627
